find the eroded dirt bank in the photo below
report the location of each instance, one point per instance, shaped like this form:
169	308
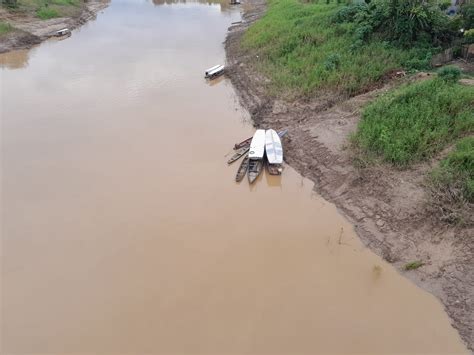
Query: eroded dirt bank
30	31
392	211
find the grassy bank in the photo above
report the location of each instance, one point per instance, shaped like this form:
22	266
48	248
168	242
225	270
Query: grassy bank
303	50
416	121
46	9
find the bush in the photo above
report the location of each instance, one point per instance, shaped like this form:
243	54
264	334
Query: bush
449	74
416	121
404	22
332	61
467	15
469	36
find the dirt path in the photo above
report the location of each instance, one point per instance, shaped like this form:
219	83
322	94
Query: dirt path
390	209
31	30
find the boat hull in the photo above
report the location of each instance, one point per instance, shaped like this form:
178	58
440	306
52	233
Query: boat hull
237	155
273	147
257	145
274	169
255	169
244	166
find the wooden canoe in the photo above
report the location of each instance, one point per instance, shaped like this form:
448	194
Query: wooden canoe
255	169
240	152
243	143
244	166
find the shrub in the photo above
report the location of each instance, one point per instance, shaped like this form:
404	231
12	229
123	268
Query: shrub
469	36
467	15
449	74
332	61
404	22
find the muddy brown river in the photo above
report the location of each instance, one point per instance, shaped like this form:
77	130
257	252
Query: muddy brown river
123	230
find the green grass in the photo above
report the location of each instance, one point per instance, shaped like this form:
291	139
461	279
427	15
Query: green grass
415	121
46	9
45	13
5	28
413	265
302	51
455	173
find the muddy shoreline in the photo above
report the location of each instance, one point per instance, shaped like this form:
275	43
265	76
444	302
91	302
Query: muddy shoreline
31	31
392	211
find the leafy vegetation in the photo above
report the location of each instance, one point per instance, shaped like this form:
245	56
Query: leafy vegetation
402	22
449	74
306	47
416	121
413	265
455	174
467	16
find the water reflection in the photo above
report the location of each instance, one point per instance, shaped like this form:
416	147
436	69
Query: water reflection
224	4
15	60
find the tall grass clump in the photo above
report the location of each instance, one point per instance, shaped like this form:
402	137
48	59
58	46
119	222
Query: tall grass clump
416	121
303	48
455	174
5	28
45	13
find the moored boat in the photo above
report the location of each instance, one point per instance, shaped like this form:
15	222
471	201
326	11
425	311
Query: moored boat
247	141
255	168
240	152
214	71
63	32
273	147
257	145
274	169
242	169
243	143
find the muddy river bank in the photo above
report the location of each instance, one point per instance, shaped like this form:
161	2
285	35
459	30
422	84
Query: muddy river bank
392	210
123	230
30	30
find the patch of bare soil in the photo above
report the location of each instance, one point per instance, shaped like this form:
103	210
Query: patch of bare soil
392	210
30	30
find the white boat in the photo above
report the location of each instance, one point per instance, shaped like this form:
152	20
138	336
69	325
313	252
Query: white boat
214	71
273	147
63	32
257	145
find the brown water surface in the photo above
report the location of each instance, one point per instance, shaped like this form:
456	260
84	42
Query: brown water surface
124	232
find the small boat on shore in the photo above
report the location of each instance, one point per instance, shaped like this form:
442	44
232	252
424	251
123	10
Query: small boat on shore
63	32
240	152
244	166
255	169
214	71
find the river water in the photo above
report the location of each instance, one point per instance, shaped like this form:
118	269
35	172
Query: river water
123	230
